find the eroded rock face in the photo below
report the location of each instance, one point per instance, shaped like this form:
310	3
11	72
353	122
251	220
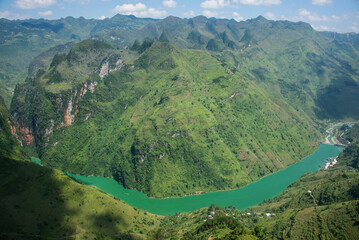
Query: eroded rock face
13	132
83	90
92	86
69	117
12	128
104	70
26	134
59	112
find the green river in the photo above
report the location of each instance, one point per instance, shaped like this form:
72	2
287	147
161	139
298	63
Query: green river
242	198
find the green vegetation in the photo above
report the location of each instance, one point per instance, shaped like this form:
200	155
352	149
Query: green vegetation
37	202
212	222
41	203
351	153
9	140
170	121
328	211
22	40
313	72
347	133
148	123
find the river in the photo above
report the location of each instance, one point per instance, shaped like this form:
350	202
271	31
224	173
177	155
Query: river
242	198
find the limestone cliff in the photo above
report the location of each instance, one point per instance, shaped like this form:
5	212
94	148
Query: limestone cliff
53	99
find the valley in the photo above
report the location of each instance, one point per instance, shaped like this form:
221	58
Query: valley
193	128
242	198
160	120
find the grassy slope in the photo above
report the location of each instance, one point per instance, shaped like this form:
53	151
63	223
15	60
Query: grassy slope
38	202
333	214
9	145
41	203
311	70
313	73
176	110
336	194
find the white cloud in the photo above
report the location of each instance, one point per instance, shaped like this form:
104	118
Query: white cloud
322	28
270	16
152	12
215	4
189	14
130	8
169	3
45	13
354	29
209	13
261	2
312	16
83	2
4	14
304	12
237	17
321	2
139	10
32	4
101	18
336	18
346	16
12	16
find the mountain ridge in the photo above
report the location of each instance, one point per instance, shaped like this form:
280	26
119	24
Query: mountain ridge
174	117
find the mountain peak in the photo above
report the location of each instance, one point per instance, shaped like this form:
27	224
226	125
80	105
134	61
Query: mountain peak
260	18
172	18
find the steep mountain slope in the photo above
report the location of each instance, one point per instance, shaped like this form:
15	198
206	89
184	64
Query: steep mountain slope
37	202
315	71
330	210
168	122
23	40
41	203
9	138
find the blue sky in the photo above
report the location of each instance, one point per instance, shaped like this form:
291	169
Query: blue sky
329	15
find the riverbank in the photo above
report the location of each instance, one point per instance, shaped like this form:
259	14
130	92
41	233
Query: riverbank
242	198
330	138
332	162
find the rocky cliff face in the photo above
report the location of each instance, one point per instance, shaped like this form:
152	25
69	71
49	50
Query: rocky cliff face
14	132
167	112
26	134
39	107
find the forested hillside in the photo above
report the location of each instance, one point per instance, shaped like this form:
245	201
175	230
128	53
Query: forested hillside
147	119
315	71
324	204
22	40
174	107
42	203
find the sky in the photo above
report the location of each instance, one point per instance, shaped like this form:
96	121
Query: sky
324	15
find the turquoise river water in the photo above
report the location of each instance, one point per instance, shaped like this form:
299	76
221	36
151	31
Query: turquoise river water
242	198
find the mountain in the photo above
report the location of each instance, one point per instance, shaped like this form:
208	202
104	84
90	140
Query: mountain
321	205
22	40
248	100
315	71
10	141
146	119
41	203
174	107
